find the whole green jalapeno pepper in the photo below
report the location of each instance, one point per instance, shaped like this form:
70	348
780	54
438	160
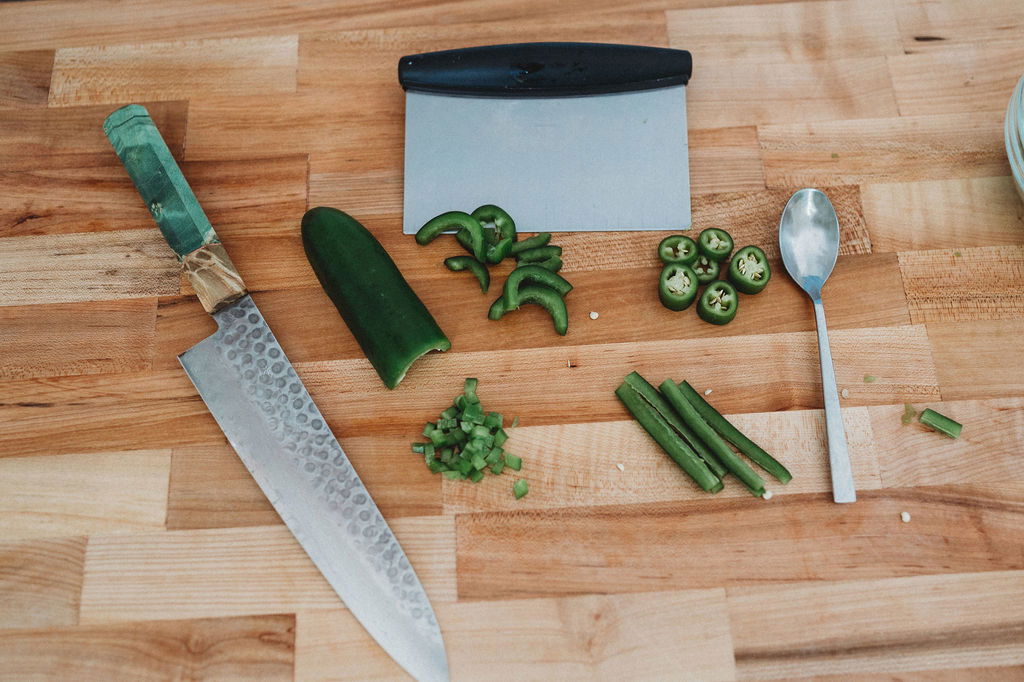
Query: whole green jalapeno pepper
707	270
678	248
677	286
718	303
460	221
714	243
749	271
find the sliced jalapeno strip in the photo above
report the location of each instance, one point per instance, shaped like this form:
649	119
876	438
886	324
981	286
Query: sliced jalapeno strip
533	242
539	253
491	215
455	220
547	298
718	303
535	274
460	263
497	252
714	243
749	271
707	270
677	286
677	249
554	264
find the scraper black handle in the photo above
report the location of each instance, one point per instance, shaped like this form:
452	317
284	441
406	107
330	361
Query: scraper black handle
544	69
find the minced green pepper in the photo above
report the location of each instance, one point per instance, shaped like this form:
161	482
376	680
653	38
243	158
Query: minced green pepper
677	249
749	271
459	263
677	286
714	243
461	222
718	303
707	270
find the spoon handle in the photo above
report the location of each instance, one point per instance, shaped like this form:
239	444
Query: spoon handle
838	458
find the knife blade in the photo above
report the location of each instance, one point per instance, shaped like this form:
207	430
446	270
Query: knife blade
253	392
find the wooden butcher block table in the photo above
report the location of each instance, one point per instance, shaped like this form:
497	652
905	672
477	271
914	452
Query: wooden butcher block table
135	546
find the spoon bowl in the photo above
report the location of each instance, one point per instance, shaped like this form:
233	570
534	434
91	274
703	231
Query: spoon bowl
809	243
809	239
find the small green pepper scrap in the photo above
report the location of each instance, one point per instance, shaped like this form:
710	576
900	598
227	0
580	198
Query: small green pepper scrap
749	271
677	248
719	303
677	286
707	270
716	244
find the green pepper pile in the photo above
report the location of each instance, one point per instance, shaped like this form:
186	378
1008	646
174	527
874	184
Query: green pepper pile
690	264
465	442
489	234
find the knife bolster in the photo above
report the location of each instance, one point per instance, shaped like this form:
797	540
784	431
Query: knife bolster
213	276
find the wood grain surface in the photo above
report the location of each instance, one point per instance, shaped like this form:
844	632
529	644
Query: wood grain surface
134	544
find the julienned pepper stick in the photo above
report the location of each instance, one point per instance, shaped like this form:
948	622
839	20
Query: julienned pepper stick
489	215
455	220
540	253
940	423
554	264
460	263
536	274
657	401
733	435
549	299
732	462
669	440
533	242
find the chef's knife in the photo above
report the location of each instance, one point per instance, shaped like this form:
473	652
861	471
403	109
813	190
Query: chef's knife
563	136
253	392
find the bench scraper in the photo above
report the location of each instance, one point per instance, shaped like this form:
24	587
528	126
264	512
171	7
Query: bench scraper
563	136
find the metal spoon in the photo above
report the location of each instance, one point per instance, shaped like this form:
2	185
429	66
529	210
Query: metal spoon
809	242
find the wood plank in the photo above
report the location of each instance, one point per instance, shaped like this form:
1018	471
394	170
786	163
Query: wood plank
182	69
594	637
39	138
926	24
576	465
626	299
738	92
210	488
236	571
987	674
50	496
77	338
967	284
987	452
958	78
102	413
25	78
40	582
245	648
92	266
942	214
723	160
884	149
533	385
657	546
788	32
241	198
975	360
878	626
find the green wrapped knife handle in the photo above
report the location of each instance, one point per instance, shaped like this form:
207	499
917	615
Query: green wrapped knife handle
173	206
